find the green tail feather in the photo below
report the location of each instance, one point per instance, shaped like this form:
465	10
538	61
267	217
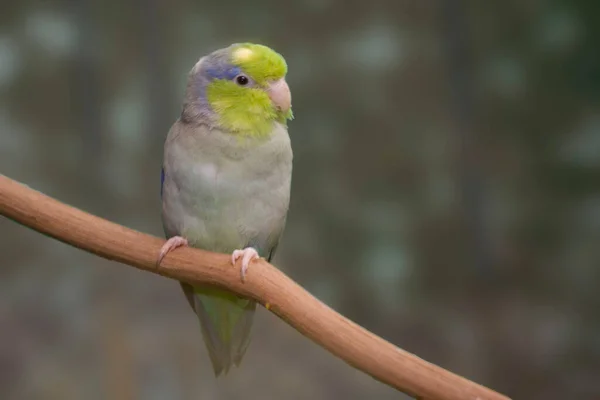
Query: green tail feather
226	321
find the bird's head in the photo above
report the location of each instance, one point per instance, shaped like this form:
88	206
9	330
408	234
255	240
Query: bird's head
241	89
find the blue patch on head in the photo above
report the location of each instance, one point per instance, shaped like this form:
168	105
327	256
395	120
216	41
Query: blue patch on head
162	180
223	73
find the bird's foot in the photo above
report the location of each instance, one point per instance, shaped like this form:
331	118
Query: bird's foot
170	245
248	254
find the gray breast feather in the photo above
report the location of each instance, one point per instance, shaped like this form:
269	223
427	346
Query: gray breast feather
224	192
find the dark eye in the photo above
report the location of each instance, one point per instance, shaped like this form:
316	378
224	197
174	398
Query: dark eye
242	80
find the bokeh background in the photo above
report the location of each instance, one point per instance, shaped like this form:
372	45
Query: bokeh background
445	192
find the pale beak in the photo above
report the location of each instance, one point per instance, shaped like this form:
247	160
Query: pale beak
280	95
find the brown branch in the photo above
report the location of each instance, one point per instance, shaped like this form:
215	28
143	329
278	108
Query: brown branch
265	284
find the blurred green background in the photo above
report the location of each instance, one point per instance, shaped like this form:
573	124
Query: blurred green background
445	192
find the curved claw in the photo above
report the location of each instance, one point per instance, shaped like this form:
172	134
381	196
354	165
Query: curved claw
170	245
248	254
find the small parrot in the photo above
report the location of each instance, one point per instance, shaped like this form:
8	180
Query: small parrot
225	180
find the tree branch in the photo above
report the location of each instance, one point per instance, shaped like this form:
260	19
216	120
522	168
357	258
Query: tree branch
265	284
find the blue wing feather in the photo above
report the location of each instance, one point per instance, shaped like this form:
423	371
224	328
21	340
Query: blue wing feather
162	180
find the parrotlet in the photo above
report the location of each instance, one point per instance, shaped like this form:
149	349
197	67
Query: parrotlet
225	181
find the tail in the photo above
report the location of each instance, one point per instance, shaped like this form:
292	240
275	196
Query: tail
226	321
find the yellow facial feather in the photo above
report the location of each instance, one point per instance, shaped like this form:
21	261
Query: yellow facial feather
242	54
248	111
260	62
